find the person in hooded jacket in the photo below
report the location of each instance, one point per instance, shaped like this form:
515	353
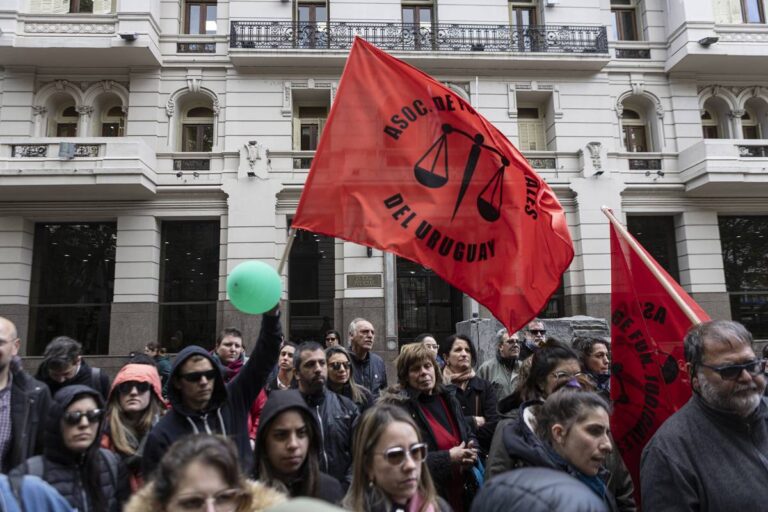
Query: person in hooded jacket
536	490
135	404
202	402
90	478
288	449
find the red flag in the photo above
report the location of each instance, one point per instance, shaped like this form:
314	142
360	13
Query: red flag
650	314
407	166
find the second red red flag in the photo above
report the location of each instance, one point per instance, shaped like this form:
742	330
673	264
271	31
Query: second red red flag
406	165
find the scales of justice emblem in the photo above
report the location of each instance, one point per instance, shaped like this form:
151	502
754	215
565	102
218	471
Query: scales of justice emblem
431	170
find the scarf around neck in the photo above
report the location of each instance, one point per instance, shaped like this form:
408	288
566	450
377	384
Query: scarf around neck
457	378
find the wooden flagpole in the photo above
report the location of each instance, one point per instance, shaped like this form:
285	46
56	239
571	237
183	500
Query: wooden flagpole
287	251
648	263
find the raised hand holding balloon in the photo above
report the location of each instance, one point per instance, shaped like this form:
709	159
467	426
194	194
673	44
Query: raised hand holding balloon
254	287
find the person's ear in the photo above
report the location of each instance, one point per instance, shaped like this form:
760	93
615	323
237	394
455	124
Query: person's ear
692	374
78	360
16	345
558	434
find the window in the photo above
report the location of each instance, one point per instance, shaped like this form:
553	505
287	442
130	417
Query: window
709	125
530	126
752	11
744	241
657	235
189	282
81	6
311	285
522	13
418	26
113	123
623	20
197	130
73	275
425	303
749	127
635	134
200	17
66	123
312	17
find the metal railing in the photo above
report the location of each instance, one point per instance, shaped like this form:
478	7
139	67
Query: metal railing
408	37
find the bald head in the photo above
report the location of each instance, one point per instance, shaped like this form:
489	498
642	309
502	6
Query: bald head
8	329
9	347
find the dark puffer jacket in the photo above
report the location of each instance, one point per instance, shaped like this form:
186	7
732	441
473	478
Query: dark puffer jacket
76	475
229	406
30	401
370	372
337	416
536	490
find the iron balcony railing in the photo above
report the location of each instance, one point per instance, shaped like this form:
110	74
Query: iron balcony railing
270	35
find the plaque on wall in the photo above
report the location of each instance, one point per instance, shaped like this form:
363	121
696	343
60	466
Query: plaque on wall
364	281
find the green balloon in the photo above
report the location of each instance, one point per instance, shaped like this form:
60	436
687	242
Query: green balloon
254	287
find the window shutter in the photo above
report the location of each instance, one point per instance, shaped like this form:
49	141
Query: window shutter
296	133
531	134
102	6
48	6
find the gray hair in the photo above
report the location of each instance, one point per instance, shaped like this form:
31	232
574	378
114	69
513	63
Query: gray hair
353	325
500	334
716	331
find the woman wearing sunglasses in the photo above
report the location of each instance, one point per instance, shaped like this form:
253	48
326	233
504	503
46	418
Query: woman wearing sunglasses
133	407
340	378
288	449
200	473
389	474
90	478
438	415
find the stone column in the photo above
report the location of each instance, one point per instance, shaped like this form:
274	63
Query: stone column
16	239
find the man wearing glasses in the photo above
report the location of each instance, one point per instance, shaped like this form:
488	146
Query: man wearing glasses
712	454
502	370
535	336
201	402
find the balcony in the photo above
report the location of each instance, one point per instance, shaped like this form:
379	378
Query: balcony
83	40
461	45
725	166
738	48
45	169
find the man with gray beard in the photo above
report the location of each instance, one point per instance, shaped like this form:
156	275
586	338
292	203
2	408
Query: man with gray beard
712	454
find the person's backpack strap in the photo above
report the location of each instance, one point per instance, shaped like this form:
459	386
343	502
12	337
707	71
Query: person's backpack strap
16	480
96	379
35	466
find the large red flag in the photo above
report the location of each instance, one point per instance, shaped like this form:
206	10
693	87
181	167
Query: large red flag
650	314
406	165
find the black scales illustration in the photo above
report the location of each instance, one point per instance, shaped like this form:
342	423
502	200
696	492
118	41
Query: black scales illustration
432	171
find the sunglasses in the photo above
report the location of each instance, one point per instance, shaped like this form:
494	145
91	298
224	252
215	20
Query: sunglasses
397	454
733	371
198	376
73	418
125	388
224	501
330	338
338	366
538	331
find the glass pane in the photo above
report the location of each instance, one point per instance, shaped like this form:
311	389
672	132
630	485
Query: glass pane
304	13
710	132
634	138
425	16
210	19
321	14
752	12
615	25
66	130
627	30
409	15
751	132
207	137
73	273
85	6
193	23
190	261
187	324
311	285
309	137
110	130
657	235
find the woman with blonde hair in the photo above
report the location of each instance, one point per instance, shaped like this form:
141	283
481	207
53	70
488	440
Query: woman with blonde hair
134	405
389	473
199	473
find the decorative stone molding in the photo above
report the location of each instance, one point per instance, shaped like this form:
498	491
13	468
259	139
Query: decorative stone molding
594	153
84	110
743	37
287	109
736	113
170	107
216	106
39	110
69	28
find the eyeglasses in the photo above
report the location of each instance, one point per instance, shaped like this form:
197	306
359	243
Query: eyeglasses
733	371
223	501
198	376
125	388
536	332
73	418
566	375
338	366
397	454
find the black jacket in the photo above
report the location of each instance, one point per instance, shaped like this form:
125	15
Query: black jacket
76	476
370	372
328	488
536	490
84	376
438	461
479	399
337	416
230	404
346	391
30	401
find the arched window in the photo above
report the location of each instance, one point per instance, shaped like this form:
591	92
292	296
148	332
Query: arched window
635	132
66	121
709	127
113	122
197	129
749	127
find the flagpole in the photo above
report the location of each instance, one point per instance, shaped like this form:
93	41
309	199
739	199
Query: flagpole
648	263
287	251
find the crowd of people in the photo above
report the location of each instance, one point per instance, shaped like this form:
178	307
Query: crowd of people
217	429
